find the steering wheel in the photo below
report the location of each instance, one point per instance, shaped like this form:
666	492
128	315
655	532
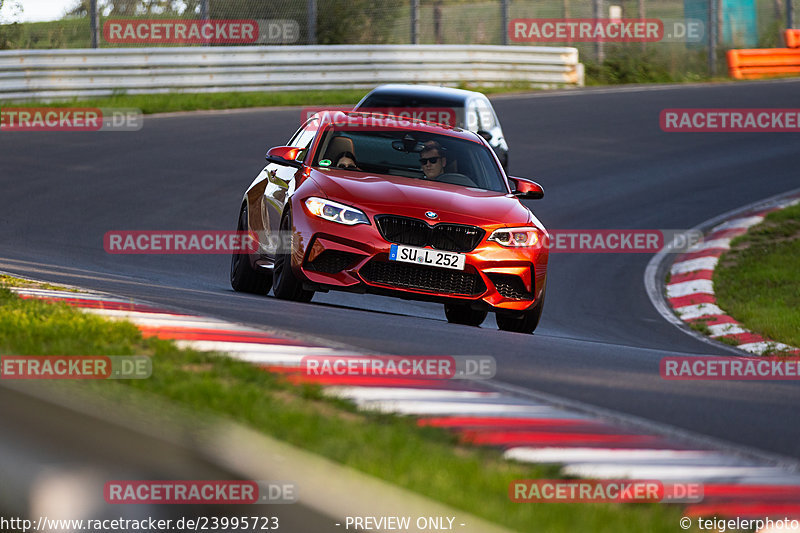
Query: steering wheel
456	179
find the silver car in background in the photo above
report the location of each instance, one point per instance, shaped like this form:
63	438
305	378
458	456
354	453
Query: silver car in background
473	110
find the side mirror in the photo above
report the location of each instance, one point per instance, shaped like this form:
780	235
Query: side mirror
284	155
526	189
485	134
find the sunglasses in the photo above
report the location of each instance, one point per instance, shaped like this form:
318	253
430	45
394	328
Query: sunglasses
426	160
347	166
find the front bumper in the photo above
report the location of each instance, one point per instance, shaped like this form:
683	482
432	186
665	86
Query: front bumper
356	258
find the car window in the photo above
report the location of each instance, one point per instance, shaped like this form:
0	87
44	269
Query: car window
397	153
472	116
486	115
403	100
390	101
304	136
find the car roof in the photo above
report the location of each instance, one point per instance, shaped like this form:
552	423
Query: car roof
427	91
365	120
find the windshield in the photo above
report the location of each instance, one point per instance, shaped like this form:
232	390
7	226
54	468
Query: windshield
394	102
399	153
409	100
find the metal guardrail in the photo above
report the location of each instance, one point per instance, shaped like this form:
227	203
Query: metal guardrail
53	74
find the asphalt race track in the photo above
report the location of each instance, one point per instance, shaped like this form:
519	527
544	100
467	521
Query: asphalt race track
604	164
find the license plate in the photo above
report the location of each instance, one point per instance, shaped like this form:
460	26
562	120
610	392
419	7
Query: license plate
426	256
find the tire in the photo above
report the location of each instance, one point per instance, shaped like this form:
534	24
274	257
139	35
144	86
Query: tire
244	278
285	285
464	314
524	322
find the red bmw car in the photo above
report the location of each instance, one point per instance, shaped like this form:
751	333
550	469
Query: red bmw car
372	203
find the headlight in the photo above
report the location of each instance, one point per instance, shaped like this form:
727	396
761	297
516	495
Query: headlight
516	237
336	212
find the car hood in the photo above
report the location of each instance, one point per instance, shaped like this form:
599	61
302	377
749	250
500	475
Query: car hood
414	197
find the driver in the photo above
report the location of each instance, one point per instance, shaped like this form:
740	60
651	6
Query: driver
432	160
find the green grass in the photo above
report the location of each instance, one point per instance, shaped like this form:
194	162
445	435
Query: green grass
758	280
64	33
428	461
170	102
729	341
10	281
701	326
658	63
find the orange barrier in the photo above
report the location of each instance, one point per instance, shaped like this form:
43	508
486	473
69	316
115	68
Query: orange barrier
792	38
763	62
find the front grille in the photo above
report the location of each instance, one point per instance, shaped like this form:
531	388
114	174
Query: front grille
510	286
408	276
403	230
415	232
332	261
455	237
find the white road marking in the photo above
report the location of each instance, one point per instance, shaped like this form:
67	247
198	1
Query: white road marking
593	455
693	265
720	330
276	359
761	347
253	347
404	393
739	223
708	245
464	407
689	312
679	472
69	295
686	288
164	320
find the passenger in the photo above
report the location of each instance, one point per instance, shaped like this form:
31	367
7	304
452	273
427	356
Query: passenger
346	160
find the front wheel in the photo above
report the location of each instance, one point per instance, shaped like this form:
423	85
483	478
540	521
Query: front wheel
244	278
524	322
464	314
286	286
